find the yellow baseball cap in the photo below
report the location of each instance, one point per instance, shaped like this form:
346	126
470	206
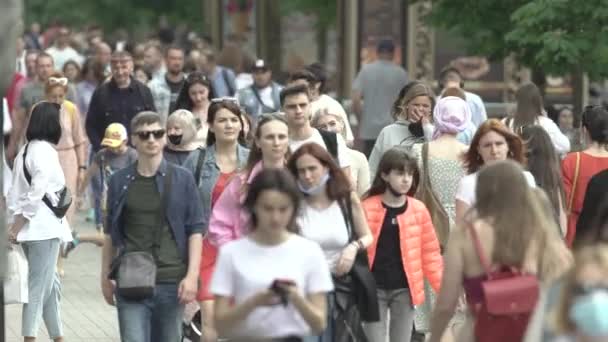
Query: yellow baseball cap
115	135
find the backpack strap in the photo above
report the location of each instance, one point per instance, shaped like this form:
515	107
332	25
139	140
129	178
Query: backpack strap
227	81
331	142
199	165
479	250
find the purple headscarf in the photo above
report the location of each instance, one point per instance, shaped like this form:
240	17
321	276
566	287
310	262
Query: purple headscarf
452	115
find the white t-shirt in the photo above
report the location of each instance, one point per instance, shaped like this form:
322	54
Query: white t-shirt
245	268
327	228
316	137
468	184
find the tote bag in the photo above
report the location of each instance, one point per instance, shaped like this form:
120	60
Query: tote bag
15	283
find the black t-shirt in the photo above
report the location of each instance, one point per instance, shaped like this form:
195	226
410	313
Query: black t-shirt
175	88
388	264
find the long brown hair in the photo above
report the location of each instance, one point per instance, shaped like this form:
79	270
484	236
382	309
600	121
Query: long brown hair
529	106
505	199
544	164
472	159
255	153
338	185
397	158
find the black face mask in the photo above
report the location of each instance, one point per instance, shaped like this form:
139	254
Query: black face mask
416	129
175	139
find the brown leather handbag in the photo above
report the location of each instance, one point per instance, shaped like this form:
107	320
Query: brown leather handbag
425	193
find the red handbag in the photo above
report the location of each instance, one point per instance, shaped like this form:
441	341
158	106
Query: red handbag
509	299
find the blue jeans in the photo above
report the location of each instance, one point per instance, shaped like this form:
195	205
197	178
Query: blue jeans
44	289
157	319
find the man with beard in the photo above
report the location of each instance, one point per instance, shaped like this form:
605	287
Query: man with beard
263	95
166	89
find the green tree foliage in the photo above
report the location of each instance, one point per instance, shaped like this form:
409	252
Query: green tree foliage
111	14
556	36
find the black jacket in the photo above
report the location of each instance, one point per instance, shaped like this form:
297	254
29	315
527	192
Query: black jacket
110	104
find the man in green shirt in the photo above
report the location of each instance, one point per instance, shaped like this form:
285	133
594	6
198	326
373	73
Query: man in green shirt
147	212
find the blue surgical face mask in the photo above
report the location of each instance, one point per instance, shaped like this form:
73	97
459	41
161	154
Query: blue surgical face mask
315	189
590	313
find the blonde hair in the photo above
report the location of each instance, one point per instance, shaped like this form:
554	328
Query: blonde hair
589	255
186	121
319	114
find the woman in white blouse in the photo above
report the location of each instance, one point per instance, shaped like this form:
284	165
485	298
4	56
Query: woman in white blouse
34	225
530	111
492	142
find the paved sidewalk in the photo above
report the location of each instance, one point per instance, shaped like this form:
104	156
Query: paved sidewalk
85	315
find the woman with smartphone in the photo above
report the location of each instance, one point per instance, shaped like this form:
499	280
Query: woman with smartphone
284	299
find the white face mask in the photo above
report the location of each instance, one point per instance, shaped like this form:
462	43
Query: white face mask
315	189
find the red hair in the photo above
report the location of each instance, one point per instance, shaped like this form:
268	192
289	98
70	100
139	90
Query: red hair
338	186
517	151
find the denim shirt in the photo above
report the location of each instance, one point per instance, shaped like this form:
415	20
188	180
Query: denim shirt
253	106
183	211
210	173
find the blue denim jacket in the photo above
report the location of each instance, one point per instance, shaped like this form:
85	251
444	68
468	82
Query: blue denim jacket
210	173
183	209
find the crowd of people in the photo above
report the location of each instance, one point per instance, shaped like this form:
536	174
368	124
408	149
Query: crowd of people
247	197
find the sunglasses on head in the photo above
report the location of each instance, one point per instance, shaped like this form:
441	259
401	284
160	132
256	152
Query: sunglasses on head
145	135
196	77
225	99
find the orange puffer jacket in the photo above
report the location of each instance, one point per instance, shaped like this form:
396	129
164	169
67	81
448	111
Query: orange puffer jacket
420	251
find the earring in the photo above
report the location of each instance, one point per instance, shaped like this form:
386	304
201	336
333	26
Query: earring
510	154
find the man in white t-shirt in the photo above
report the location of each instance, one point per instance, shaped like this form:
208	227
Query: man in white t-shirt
320	103
295	101
62	51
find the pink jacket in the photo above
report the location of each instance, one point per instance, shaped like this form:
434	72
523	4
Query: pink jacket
229	220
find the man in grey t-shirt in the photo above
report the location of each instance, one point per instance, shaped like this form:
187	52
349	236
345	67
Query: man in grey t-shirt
377	86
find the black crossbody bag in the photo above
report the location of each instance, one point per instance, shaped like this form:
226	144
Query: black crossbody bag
65	196
135	272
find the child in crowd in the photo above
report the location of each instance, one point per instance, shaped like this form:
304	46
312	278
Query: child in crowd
114	155
405	250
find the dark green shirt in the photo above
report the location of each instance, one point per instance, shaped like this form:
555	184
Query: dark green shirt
142	221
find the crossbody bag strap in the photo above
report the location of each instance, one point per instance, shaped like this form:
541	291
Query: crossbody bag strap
199	166
577	168
163	210
425	163
26	173
479	250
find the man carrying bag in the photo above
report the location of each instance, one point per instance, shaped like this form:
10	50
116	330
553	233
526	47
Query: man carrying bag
153	239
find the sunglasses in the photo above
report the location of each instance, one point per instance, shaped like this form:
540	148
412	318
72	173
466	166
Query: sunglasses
196	77
145	135
225	99
58	80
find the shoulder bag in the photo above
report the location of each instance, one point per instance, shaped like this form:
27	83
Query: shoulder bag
64	195
135	272
425	193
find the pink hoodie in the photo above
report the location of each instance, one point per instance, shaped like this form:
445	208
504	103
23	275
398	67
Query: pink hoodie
229	220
